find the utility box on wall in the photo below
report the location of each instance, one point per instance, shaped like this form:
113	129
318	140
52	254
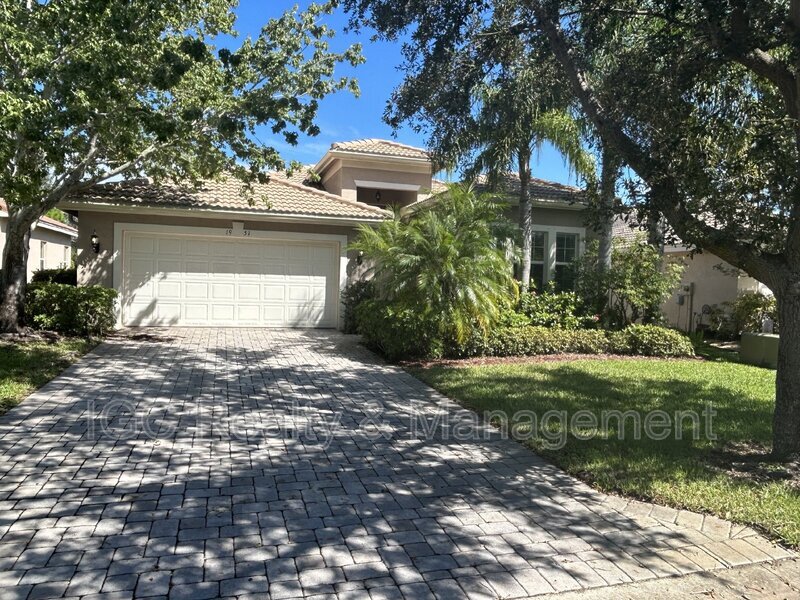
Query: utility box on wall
760	349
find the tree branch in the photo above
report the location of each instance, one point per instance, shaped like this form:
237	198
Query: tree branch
662	185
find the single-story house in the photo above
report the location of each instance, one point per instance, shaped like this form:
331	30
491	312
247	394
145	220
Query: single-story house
211	257
51	242
707	281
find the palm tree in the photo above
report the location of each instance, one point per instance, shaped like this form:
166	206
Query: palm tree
444	261
518	111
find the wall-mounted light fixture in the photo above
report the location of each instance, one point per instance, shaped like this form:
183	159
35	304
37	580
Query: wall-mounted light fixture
378	196
360	257
95	242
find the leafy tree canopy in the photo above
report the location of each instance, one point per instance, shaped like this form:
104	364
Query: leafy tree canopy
90	90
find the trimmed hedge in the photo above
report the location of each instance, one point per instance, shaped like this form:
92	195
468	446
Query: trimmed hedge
397	333
650	340
400	336
534	340
71	310
65	276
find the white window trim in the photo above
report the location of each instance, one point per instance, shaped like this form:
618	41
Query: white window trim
385	185
550	248
120	229
42	255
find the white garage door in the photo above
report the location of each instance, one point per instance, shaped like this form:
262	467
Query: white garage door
209	281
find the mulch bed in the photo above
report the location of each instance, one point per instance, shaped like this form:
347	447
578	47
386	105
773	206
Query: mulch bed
513	360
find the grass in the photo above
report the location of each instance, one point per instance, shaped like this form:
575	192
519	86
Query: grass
26	366
697	474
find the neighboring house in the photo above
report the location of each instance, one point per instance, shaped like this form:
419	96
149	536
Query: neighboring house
707	282
211	258
51	242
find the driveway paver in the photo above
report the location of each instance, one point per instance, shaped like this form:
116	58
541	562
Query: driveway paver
198	463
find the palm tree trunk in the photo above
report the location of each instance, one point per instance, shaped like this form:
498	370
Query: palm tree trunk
525	216
15	267
608	195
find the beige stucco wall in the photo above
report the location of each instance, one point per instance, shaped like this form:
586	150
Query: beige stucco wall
58	248
340	176
550	217
715	282
97	269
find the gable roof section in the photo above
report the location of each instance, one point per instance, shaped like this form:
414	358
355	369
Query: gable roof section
381	148
539	189
627	230
283	197
44	221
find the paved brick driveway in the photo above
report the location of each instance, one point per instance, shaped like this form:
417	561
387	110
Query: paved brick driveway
197	463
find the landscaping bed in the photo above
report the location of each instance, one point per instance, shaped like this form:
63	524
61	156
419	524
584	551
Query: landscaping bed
28	362
730	476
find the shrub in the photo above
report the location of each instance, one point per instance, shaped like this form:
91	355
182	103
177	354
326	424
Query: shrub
650	340
749	311
398	333
555	309
353	295
69	309
531	341
442	270
65	276
635	287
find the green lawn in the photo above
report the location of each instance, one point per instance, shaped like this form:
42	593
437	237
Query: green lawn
25	366
687	473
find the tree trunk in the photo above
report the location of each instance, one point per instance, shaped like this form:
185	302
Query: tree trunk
786	419
608	195
525	217
15	267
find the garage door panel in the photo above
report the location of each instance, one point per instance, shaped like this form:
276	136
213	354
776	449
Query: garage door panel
249	291
248	312
274	252
189	280
142	245
196	290
222	312
196	313
196	247
223	291
170	290
167	246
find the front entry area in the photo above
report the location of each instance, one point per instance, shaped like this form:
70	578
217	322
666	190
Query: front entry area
231	278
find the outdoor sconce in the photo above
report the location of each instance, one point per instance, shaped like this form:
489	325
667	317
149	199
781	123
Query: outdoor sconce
360	257
95	242
378	196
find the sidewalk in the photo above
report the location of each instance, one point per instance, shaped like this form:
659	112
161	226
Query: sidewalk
776	580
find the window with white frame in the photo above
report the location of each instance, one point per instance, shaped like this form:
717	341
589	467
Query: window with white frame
539	254
42	256
66	259
566	253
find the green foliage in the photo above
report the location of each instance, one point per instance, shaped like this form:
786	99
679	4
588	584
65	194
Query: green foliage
650	340
65	276
399	333
71	310
443	264
555	309
25	366
352	296
749	311
58	215
532	341
637	283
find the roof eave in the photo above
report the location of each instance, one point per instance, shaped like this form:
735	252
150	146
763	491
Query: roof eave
211	213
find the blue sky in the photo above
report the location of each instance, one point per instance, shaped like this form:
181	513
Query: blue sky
343	117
